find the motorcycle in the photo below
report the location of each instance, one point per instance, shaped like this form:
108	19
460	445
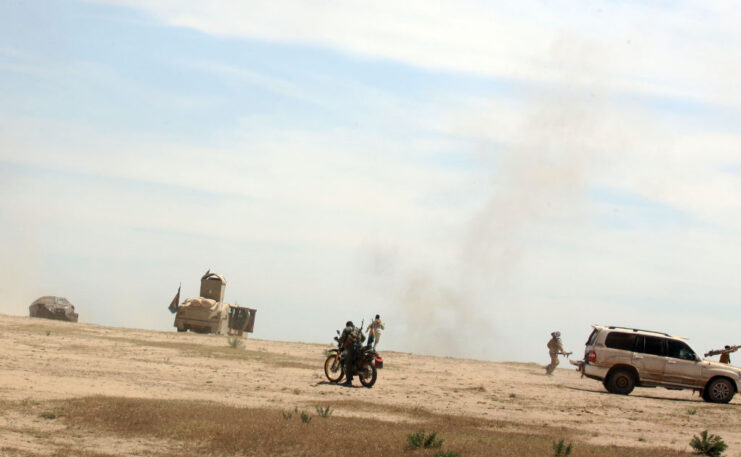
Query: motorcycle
364	365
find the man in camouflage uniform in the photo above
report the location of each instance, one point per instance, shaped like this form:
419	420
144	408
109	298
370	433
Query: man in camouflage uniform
350	338
555	347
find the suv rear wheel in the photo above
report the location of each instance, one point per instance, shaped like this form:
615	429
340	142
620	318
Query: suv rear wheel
719	390
621	381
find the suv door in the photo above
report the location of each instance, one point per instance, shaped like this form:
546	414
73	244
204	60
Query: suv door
682	367
649	358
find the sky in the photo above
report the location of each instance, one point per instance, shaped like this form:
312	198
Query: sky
479	173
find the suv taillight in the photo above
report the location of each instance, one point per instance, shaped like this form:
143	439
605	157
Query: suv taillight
592	356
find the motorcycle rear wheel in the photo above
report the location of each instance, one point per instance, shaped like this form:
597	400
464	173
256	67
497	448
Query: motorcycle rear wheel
333	368
368	374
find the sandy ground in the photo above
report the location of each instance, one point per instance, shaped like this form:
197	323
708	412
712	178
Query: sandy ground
43	360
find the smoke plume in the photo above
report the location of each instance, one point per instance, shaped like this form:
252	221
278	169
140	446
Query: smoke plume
540	176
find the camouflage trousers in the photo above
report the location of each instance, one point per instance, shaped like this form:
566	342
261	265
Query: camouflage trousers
554	363
348	357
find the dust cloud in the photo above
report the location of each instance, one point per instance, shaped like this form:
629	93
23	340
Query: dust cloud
539	176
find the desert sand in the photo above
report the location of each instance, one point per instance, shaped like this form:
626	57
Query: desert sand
43	360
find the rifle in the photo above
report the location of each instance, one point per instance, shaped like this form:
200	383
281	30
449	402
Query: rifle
566	354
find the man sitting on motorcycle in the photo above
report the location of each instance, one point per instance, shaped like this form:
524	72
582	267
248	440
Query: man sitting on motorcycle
350	341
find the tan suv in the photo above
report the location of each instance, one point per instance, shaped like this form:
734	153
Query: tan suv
623	358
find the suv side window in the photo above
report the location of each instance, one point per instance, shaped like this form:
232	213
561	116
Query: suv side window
619	340
640	344
679	350
655	346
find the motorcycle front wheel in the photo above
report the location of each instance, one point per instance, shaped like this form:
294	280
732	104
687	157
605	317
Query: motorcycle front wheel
368	374
333	368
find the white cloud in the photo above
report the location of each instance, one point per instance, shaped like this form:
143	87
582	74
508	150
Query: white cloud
354	175
275	85
684	50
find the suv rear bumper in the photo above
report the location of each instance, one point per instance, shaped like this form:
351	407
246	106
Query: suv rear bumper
594	371
590	371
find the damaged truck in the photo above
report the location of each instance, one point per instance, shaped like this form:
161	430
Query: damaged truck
209	313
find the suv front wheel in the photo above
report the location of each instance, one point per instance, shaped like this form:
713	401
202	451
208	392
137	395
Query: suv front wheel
719	390
621	381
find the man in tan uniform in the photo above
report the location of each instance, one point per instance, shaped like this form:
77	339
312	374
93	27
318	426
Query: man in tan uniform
725	353
555	347
374	331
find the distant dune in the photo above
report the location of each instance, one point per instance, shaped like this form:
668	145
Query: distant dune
87	390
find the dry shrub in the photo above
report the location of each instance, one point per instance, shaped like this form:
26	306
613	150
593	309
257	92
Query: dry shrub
481	389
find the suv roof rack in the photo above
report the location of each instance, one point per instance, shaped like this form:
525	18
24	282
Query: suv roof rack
613	327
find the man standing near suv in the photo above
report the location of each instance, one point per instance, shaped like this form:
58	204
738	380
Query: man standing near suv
725	353
555	347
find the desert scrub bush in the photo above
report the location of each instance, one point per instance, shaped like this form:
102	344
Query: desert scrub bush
235	342
324	412
446	454
289	414
416	439
692	411
419	439
432	442
560	448
708	444
52	414
305	417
